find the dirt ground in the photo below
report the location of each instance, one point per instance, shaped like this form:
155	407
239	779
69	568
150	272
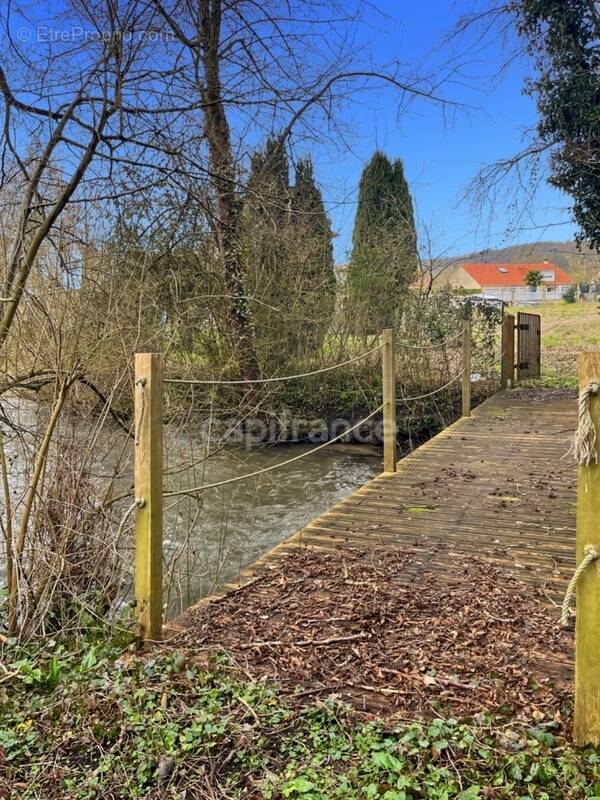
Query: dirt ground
343	624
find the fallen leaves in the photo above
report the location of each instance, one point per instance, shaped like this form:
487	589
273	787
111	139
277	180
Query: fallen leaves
352	624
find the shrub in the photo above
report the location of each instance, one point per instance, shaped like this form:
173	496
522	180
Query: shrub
570	294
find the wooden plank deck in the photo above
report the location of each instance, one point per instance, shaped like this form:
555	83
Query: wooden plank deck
497	485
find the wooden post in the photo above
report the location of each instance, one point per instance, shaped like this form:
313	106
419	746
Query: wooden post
508	352
148	492
389	401
466	364
587	624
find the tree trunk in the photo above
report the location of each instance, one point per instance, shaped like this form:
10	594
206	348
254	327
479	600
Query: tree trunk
223	169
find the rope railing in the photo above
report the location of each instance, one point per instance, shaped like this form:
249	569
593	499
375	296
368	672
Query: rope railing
456	377
432	346
148	472
310	373
590	554
236	478
277	378
140	384
256	473
583	447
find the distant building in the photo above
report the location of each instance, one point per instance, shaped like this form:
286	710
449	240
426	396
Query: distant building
507	281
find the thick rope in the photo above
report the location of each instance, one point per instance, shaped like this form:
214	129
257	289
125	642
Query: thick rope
139	502
274	466
140	383
590	554
278	378
583	447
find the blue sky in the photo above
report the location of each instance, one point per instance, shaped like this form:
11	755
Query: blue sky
442	155
442	150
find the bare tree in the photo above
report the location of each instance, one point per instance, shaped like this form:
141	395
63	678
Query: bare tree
156	104
272	69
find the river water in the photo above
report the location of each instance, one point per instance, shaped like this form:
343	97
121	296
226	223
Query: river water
211	535
236	524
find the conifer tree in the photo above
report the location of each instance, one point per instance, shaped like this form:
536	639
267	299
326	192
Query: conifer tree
312	254
384	245
285	242
261	233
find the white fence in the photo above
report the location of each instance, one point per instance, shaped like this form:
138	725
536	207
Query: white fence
523	296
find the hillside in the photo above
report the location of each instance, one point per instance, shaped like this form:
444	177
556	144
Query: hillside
582	265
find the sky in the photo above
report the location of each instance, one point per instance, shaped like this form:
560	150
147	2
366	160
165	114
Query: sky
442	153
442	149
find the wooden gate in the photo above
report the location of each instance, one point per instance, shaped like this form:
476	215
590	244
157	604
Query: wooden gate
529	328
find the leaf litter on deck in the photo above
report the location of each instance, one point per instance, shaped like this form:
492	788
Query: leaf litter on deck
471	641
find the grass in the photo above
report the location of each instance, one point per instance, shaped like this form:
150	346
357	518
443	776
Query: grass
567	329
94	721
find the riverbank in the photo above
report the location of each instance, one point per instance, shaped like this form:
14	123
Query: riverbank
423	409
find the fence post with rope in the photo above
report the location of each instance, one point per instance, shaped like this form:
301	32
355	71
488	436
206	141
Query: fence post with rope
466	367
148	475
149	492
587	577
507	379
389	400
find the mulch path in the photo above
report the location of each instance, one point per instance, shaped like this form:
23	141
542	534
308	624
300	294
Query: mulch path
320	624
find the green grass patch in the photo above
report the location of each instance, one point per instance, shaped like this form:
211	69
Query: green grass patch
567	329
94	721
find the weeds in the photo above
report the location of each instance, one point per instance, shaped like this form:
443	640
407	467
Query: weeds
97	721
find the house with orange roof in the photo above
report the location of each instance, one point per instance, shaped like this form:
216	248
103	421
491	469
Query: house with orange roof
508	282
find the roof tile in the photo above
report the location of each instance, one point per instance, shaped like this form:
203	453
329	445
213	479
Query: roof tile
504	274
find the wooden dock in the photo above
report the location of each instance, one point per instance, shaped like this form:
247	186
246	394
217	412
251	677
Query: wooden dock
498	484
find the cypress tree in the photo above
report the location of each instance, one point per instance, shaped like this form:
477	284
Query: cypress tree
285	242
384	245
268	188
312	242
261	231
